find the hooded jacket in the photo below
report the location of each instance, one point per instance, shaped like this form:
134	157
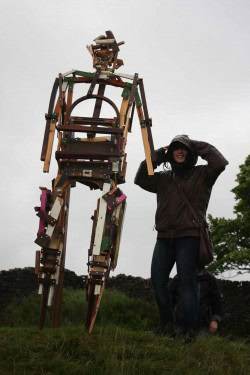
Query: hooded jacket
173	218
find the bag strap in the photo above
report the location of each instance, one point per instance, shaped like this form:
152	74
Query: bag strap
188	204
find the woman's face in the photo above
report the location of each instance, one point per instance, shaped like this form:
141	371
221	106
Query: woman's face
180	154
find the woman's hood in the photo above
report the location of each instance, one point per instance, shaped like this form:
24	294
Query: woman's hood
186	141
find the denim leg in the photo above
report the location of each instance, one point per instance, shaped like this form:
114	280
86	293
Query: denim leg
186	263
162	264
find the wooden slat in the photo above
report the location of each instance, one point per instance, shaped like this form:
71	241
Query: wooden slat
96	139
90	129
109	82
50	112
57	300
89	155
146	145
77	120
51	136
100	221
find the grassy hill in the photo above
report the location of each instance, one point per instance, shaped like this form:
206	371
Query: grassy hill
122	342
18	283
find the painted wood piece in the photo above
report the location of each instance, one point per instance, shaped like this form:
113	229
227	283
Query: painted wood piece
54	214
100	221
40	288
119	217
97	290
42	210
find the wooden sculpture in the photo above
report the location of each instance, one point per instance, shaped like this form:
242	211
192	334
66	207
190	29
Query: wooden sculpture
91	151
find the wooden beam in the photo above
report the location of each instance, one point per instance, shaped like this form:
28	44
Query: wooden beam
146	145
51	136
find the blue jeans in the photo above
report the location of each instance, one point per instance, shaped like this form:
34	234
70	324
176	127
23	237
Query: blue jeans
184	252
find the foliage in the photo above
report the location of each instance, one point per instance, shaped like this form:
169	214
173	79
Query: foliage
231	237
242	191
116	307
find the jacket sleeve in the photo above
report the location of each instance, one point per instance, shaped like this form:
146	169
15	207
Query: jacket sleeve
142	178
216	161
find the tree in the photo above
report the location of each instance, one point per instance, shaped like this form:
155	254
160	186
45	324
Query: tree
231	237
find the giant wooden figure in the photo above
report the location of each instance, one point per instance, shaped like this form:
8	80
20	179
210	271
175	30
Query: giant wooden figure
97	160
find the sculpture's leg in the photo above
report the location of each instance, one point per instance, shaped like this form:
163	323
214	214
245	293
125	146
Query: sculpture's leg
104	247
50	261
95	292
59	275
98	263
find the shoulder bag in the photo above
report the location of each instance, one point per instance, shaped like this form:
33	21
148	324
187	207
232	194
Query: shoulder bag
206	247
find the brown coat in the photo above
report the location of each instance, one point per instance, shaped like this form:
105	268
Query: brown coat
173	218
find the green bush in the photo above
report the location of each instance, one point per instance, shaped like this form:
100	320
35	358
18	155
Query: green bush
116	308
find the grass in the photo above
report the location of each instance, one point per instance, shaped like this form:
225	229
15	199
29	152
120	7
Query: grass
122	343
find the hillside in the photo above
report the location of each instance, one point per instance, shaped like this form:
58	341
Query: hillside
18	283
121	343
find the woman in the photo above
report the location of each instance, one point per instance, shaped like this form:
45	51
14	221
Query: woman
178	235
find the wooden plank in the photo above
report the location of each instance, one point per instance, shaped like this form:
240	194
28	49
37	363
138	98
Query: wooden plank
95	120
146	145
146	116
50	112
95	308
37	262
96	139
51	136
89	129
88	155
101	221
78	147
124	118
54	214
69	100
110	82
119	218
47	160
57	300
97	290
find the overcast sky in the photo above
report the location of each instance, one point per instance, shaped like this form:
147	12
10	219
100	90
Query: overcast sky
194	58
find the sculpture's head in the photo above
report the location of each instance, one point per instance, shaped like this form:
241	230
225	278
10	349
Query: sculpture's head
105	51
